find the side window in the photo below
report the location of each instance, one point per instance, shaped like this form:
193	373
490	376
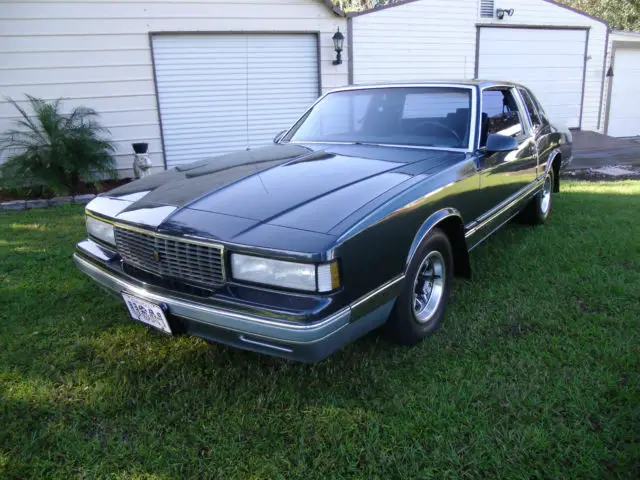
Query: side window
531	109
500	114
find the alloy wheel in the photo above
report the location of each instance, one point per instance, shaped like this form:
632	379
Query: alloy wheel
428	287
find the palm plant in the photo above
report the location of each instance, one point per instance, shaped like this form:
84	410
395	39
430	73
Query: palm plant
54	149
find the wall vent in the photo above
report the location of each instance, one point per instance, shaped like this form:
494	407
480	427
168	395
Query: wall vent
486	8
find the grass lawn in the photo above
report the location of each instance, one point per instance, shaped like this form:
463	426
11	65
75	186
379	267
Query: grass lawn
535	373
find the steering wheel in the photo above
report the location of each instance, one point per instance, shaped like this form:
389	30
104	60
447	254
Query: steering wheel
442	127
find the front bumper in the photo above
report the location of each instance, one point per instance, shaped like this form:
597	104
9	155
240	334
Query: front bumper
307	342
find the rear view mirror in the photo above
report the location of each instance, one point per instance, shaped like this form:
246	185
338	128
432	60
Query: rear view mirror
500	143
279	136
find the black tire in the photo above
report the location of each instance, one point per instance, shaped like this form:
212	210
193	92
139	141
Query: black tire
539	208
404	325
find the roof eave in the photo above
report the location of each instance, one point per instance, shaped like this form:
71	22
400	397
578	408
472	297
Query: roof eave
404	2
579	12
334	8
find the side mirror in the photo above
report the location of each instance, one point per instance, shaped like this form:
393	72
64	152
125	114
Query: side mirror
279	136
500	143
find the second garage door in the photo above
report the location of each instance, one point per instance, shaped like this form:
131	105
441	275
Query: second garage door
624	109
548	61
219	93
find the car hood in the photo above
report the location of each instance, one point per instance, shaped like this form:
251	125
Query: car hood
308	188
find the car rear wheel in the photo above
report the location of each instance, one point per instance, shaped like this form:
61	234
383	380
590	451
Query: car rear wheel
420	308
538	210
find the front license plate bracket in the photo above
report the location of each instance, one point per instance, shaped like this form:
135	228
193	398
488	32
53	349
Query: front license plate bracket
146	312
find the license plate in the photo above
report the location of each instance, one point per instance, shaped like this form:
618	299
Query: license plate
147	313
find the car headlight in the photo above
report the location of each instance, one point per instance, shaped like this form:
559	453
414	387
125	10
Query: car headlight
279	273
100	230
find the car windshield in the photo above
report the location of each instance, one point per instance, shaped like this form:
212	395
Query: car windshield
416	116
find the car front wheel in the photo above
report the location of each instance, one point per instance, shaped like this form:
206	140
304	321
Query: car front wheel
420	308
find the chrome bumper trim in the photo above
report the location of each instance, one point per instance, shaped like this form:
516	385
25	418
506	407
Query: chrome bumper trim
281	331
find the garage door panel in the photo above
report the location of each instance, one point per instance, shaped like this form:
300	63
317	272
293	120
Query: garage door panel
194	107
548	61
265	51
542	48
624	108
516	48
196	91
535	35
193	56
525	61
220	93
187	124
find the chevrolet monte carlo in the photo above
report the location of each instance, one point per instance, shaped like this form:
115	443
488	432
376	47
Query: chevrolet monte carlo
358	217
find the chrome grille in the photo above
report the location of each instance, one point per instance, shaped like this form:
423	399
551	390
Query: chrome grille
186	260
137	249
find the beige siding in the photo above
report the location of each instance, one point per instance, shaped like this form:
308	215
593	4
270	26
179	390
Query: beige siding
97	53
436	39
422	40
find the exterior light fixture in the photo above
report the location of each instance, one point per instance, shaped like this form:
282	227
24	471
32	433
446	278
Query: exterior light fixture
338	44
501	12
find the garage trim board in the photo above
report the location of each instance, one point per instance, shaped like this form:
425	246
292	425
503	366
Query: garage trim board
222	80
572	111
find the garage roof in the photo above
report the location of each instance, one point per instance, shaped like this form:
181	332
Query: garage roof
334	8
403	2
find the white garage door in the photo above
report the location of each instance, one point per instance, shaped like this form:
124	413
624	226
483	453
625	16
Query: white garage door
550	62
624	111
219	93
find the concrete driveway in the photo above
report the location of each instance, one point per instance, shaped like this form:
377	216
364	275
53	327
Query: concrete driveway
593	150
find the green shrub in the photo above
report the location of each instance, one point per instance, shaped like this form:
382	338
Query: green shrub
55	150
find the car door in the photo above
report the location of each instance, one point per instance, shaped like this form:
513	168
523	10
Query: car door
541	128
504	174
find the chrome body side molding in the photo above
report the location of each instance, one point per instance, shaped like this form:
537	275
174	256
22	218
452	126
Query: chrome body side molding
376	298
509	207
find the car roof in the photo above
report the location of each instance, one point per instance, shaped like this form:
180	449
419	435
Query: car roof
463	83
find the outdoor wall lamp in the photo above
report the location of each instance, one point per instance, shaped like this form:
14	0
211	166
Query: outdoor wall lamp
500	13
338	43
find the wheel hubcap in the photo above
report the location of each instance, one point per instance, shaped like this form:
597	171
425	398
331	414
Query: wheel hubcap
545	201
428	287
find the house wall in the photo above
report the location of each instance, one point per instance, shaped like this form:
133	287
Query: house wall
421	40
436	39
97	53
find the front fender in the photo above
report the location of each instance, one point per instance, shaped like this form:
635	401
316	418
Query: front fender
428	225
